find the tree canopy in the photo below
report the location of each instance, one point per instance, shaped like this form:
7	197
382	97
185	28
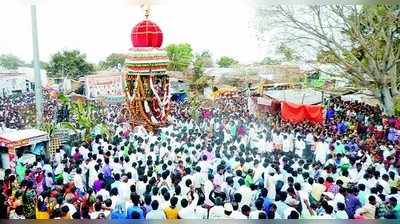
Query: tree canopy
206	57
180	56
199	81
42	64
69	63
289	54
269	61
201	61
9	61
363	42
397	105
113	61
226	62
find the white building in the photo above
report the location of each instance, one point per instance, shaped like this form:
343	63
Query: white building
13	83
19	81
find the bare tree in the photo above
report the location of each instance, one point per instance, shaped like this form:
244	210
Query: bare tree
364	42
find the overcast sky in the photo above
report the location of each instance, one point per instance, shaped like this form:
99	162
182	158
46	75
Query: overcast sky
101	27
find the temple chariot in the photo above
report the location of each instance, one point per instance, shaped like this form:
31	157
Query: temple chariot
147	85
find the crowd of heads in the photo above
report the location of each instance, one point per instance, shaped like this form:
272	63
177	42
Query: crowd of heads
230	164
17	111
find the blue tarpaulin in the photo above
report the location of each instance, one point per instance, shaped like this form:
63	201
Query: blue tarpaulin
179	97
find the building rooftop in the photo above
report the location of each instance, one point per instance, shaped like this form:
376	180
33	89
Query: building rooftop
297	96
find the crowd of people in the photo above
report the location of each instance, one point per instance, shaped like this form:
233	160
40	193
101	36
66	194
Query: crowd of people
228	165
17	111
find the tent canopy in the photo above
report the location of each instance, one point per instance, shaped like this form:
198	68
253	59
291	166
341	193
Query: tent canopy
296	113
297	96
19	138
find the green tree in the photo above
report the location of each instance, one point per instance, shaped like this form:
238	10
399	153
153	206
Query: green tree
69	63
361	41
269	61
201	61
198	65
207	58
180	56
226	62
289	54
326	57
83	119
112	61
397	105
9	61
195	103
199	81
42	64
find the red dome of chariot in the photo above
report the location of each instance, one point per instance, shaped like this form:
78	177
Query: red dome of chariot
146	34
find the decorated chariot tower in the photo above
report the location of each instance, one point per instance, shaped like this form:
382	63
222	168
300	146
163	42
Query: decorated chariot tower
147	85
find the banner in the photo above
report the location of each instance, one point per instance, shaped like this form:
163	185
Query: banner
104	86
299	112
264	101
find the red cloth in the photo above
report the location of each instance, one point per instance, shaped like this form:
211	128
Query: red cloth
299	112
397	125
146	34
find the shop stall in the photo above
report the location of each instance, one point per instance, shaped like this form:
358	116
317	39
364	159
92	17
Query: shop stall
24	145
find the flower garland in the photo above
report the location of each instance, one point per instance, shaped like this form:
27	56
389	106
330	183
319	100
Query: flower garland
134	58
155	93
140	107
154	120
146	73
132	97
155	108
146	107
165	99
136	65
147	68
148	111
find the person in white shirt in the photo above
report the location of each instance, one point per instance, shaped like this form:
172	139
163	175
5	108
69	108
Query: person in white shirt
103	192
384	182
188	210
155	213
165	203
208	187
328	214
116	166
117	183
124	189
299	145
68	203
78	180
199	178
320	153
270	179
287	144
341	212
200	212
259	209
339	197
217	211
356	174
245	192
84	152
281	206
236	213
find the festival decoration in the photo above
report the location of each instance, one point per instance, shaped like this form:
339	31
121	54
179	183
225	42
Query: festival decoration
146	82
